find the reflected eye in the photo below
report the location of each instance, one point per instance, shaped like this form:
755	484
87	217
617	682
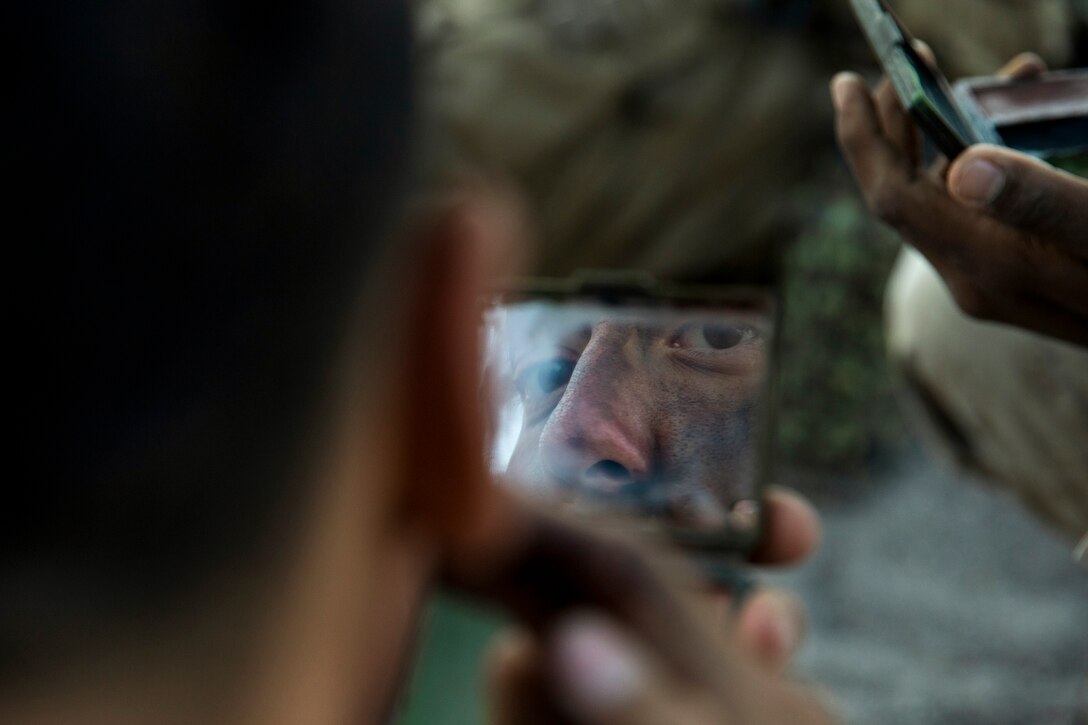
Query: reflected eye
545	377
712	337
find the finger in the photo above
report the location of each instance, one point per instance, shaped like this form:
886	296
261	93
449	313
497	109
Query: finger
939	165
1023	66
793	529
518	689
552	567
938	168
602	677
922	48
897	124
872	158
771	626
1024	193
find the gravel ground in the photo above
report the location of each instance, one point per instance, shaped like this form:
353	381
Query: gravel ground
935	600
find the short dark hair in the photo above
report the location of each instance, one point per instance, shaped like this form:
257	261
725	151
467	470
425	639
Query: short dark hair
205	185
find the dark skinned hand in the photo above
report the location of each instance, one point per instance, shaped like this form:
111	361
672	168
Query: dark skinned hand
1007	233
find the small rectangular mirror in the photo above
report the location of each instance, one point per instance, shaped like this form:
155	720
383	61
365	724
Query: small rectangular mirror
639	402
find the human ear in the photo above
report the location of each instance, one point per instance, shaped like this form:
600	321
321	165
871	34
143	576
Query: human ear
464	250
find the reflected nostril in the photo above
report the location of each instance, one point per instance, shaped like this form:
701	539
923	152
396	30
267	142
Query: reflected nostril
609	469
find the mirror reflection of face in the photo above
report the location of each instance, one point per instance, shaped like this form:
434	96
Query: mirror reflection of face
647	411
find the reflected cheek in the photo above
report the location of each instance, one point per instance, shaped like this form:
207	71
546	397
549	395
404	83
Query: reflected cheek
706	439
525	460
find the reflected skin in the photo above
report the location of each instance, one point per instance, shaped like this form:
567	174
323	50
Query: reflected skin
656	409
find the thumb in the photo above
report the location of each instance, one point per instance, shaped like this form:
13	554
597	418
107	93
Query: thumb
1024	193
602	677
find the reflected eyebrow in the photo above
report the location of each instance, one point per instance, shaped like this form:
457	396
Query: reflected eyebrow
554	337
572	329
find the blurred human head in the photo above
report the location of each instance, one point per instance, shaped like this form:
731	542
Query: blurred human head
218	317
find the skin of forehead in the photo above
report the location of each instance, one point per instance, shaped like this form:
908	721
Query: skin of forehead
535	324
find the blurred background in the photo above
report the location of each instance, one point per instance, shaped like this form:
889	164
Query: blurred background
681	137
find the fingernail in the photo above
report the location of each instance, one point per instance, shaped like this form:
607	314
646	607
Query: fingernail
978	182
595	671
839	88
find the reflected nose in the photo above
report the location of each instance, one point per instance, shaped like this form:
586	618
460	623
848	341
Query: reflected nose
599	435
